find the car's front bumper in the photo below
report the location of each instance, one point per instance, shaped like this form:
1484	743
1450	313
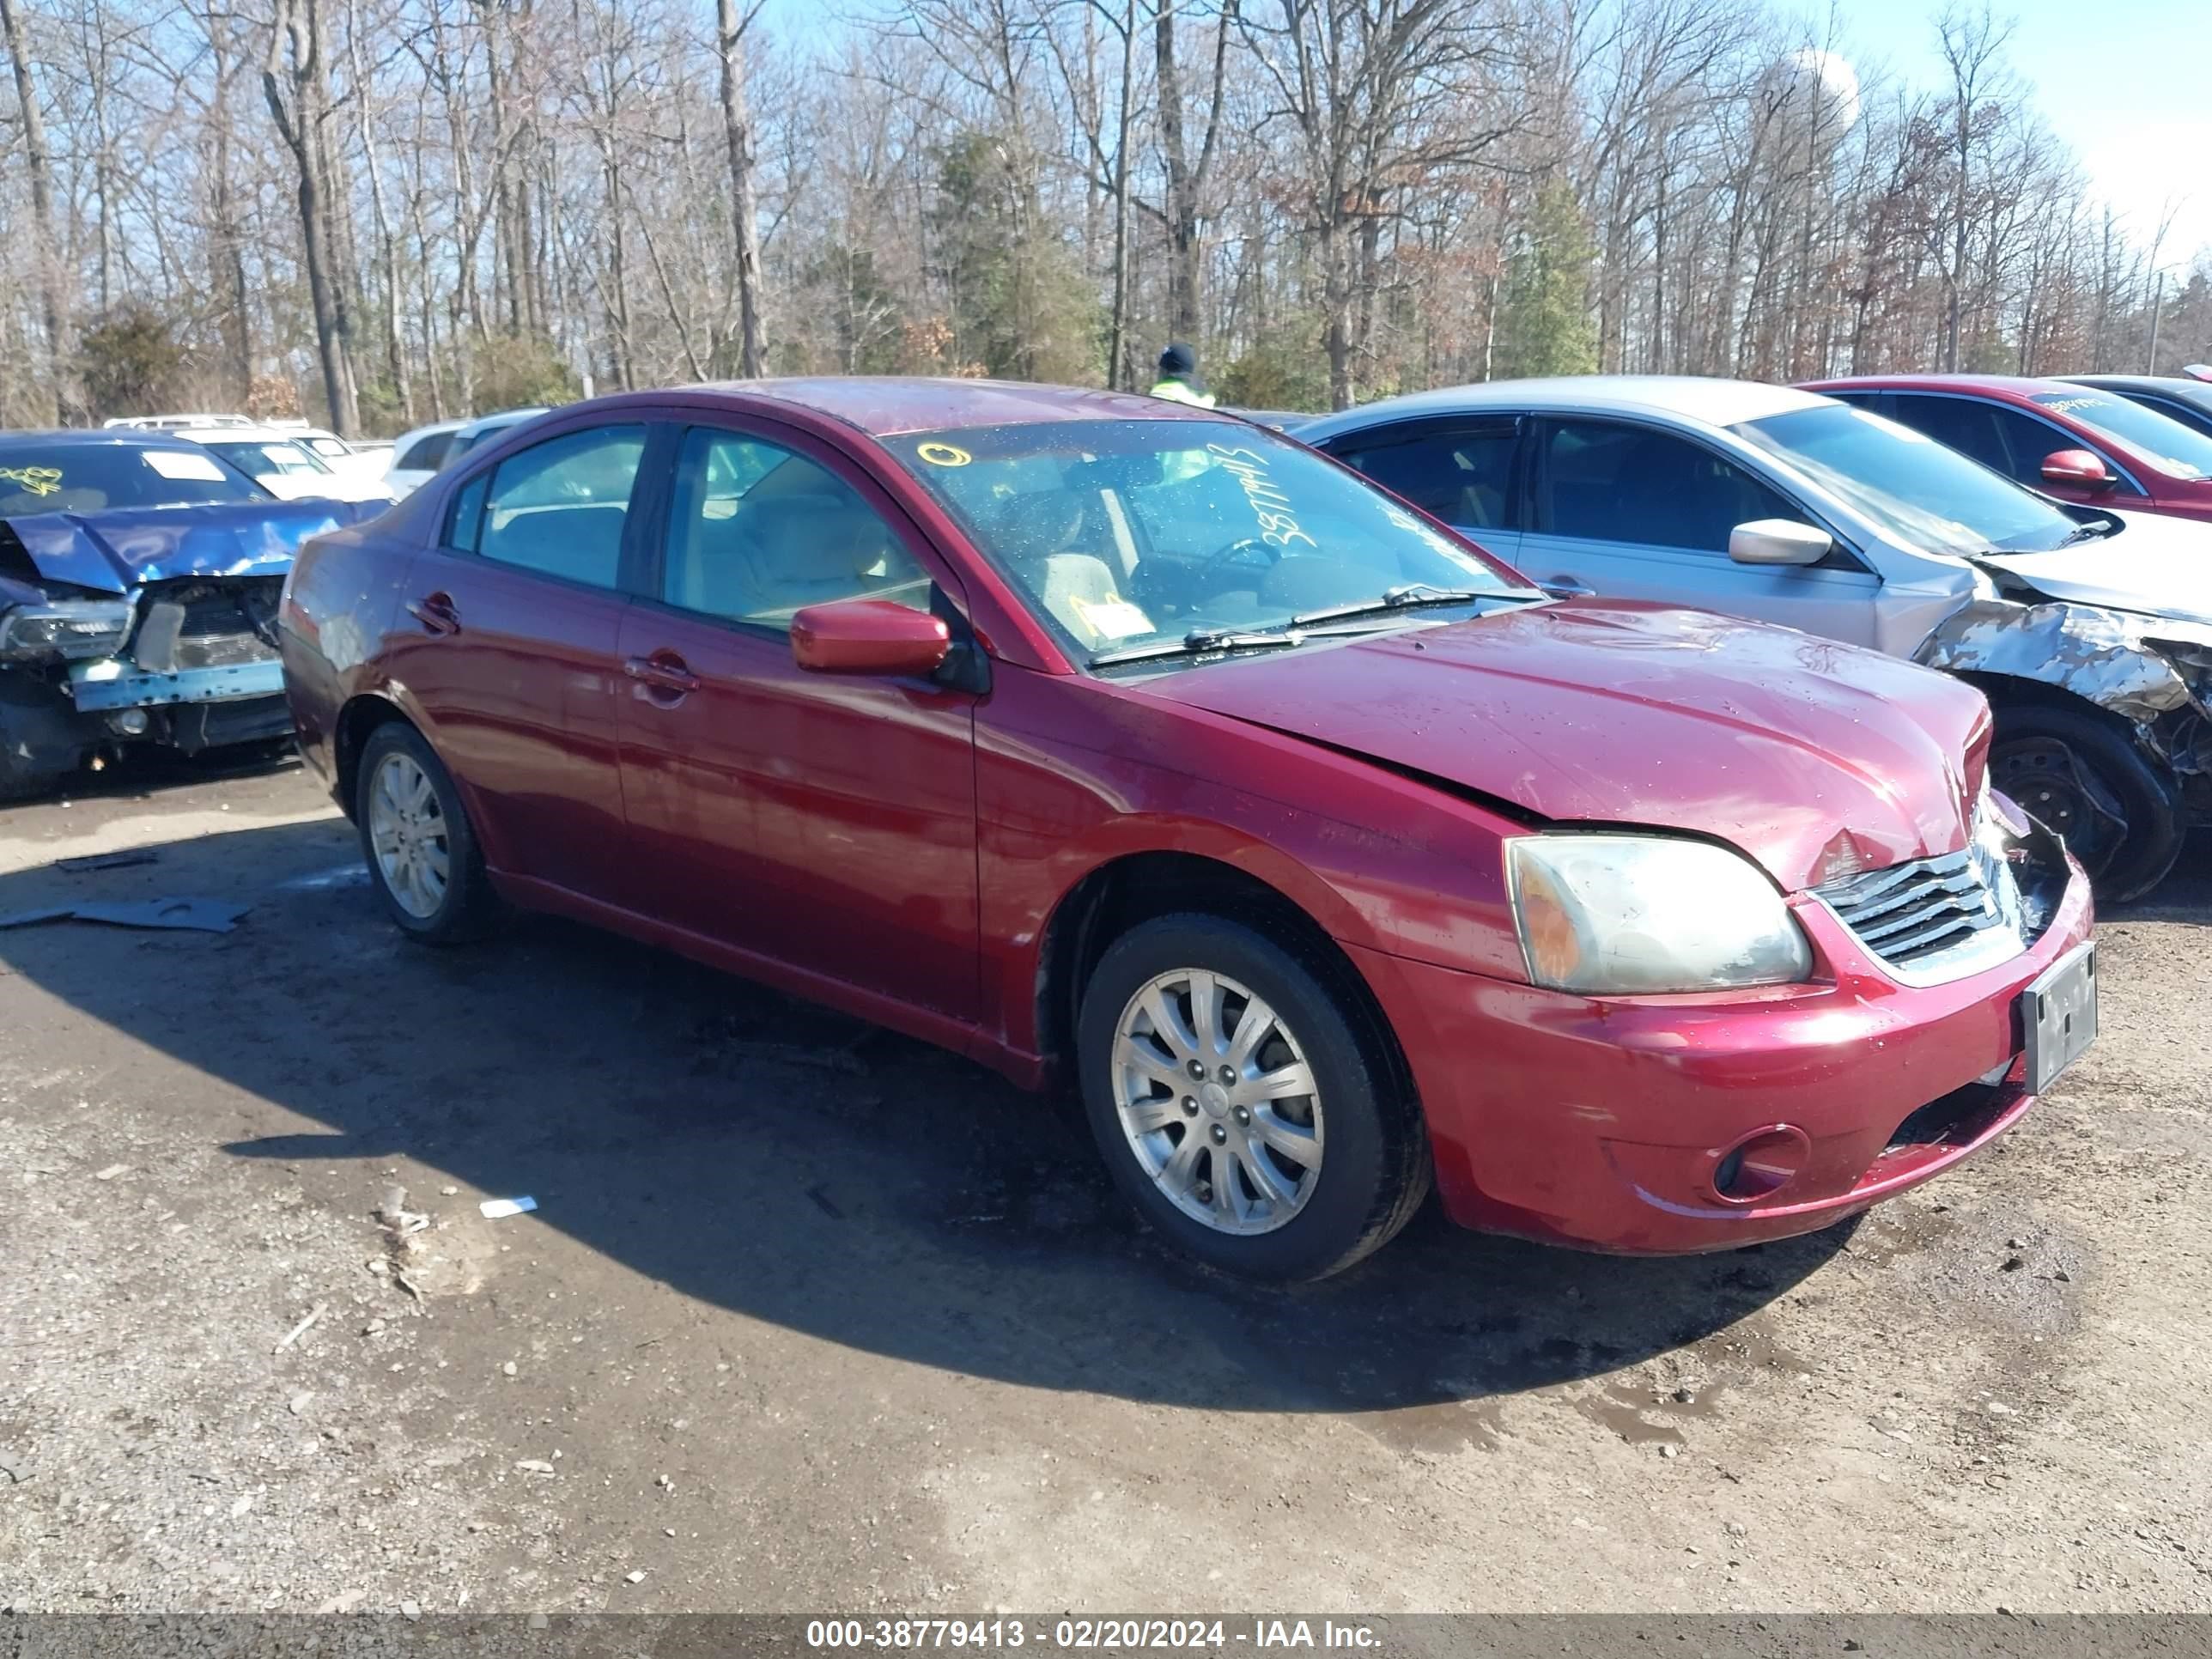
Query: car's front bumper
1600	1122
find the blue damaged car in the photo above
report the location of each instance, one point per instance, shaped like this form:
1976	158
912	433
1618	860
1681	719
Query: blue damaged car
139	582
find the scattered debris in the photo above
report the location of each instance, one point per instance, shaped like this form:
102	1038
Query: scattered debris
343	1601
300	1403
495	1209
197	914
300	1329
507	1370
19	1471
112	1171
122	860
410	1610
637	1577
535	1465
244	1503
449	1192
822	1203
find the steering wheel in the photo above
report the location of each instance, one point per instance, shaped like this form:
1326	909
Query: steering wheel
1250	552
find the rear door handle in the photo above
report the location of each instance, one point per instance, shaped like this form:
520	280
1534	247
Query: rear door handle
1564	587
436	613
663	670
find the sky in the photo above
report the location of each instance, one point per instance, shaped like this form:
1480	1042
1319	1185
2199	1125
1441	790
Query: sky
2127	84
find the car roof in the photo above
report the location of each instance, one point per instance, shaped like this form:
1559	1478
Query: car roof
884	406
1692	396
2167	386
2000	386
124	437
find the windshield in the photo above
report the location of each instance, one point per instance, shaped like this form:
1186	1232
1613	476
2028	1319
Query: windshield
1915	489
91	477
264	456
2157	438
1127	534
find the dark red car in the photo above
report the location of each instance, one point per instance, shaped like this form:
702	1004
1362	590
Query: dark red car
1106	740
2078	443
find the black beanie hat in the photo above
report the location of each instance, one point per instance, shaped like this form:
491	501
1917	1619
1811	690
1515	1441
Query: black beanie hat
1179	359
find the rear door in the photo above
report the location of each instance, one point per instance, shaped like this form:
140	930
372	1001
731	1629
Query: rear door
510	635
1635	513
826	821
1464	470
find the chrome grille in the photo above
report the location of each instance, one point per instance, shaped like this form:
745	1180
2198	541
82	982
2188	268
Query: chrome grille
1933	913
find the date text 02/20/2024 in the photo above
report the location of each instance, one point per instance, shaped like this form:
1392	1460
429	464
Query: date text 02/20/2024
1201	1635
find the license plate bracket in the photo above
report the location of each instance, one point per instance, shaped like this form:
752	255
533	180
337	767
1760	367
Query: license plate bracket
2058	1015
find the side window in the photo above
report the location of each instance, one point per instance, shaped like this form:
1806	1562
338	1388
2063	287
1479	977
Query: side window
465	522
2196	419
425	454
2030	440
1464	474
755	531
1623	484
559	507
1962	424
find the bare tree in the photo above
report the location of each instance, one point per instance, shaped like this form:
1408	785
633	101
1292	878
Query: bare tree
294	82
745	209
38	162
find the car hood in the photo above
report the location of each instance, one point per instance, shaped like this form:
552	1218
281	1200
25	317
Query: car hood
1816	759
2156	565
116	551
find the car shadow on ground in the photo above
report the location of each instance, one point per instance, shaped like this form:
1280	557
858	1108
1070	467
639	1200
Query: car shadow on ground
778	1160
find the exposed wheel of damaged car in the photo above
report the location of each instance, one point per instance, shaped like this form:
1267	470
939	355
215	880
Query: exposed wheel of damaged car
1240	1105
2081	773
415	832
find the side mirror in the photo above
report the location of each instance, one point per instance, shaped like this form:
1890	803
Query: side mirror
2077	467
868	636
1778	541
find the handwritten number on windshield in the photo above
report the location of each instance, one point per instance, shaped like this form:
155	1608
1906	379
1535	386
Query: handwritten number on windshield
1278	525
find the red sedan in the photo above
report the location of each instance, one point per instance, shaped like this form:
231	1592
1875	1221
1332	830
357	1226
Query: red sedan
1110	741
2078	443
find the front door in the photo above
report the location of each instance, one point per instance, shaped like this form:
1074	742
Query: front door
1637	513
511	654
824	821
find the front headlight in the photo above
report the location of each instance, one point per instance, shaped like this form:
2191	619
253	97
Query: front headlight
74	628
1621	915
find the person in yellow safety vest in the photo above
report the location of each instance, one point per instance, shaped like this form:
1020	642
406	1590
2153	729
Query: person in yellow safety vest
1179	382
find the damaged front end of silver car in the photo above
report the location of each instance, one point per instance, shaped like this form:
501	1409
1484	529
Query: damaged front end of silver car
2154	672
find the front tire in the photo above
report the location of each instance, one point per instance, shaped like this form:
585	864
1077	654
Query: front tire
2085	778
422	852
1244	1102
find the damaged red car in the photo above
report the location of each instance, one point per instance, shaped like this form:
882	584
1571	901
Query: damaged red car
1115	743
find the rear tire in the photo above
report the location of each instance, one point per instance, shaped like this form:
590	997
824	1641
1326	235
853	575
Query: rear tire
1316	1176
422	855
2083	777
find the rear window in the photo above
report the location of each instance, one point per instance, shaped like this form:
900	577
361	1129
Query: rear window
93	477
2158	438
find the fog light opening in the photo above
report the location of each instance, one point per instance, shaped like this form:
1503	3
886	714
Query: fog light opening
131	722
1761	1165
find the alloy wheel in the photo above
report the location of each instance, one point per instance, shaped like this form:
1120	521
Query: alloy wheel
1218	1100
407	831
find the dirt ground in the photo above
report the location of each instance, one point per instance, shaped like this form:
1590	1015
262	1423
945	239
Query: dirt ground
812	1317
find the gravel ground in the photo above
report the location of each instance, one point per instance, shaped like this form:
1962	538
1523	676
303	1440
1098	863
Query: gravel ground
810	1316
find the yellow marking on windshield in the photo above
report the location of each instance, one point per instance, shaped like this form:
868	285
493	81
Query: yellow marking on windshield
38	480
942	454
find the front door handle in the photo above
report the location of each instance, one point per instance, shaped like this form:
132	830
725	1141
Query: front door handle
663	670
1564	587
436	613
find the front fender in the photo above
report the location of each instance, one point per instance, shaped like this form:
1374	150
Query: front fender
2108	658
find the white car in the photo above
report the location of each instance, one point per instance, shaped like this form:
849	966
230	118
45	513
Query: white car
416	455
276	460
362	458
2089	628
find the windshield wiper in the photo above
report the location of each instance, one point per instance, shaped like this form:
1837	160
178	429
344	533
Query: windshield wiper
1407	597
2096	530
1197	643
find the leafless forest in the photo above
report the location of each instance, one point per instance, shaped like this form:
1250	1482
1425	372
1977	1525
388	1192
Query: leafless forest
378	212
